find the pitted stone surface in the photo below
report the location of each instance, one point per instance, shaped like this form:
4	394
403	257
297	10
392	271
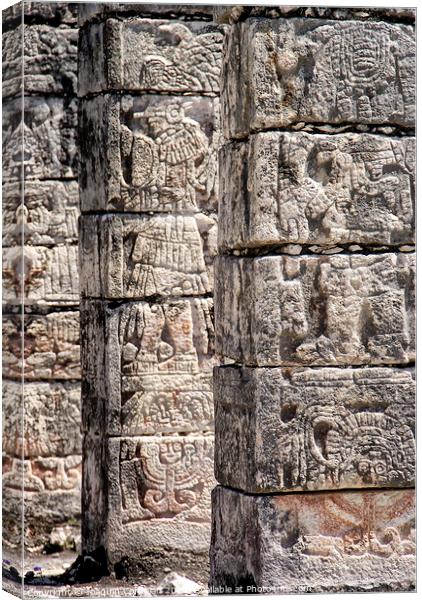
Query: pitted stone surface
47	132
152	368
357	541
49	60
51	276
61	12
316	310
140	257
45	214
314	429
155	492
96	10
284	71
150	55
160	153
51	346
316	189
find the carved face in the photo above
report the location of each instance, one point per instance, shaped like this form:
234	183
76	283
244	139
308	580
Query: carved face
170	453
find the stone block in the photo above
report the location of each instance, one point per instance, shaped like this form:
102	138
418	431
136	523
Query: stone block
151	492
42	276
314	429
281	188
152	369
48	428
127	256
51	346
96	10
316	310
356	541
150	55
44	213
58	12
285	71
151	153
49	57
46	130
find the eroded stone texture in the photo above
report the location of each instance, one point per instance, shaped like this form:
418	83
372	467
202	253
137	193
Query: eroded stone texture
91	10
314	429
301	188
49	60
316	310
47	132
149	153
62	12
284	71
330	542
155	493
44	213
39	275
152	368
150	55
51	346
139	257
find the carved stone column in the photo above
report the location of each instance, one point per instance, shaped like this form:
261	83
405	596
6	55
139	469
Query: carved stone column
149	137
315	303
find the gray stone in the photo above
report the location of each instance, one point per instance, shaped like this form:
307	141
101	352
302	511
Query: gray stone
314	429
46	129
151	153
96	10
359	541
58	12
50	277
49	60
47	212
284	71
150	55
152	367
51	346
316	310
175	584
139	257
316	189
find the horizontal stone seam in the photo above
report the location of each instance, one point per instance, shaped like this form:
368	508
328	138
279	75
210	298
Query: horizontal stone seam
301	366
30	20
149	92
39	310
320	492
148	213
299	14
337	129
25	94
276	250
170	16
40	179
209	433
114	303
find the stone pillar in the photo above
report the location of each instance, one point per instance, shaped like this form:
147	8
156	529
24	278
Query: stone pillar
314	303
149	138
41	388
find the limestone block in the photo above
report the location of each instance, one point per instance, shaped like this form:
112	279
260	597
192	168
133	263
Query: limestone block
359	541
285	71
151	153
153	492
314	429
316	189
151	371
316	310
44	213
150	55
50	275
49	60
50	425
134	257
51	346
58	12
46	130
92	10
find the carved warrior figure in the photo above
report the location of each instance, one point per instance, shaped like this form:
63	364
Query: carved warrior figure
38	475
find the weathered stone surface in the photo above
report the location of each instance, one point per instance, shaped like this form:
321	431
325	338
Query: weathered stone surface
314	429
284	71
47	132
49	60
331	542
51	346
316	310
154	492
50	428
150	55
58	12
151	153
41	276
152	367
44	213
92	10
140	257
316	189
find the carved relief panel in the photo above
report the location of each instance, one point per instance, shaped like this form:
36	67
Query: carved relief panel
314	429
